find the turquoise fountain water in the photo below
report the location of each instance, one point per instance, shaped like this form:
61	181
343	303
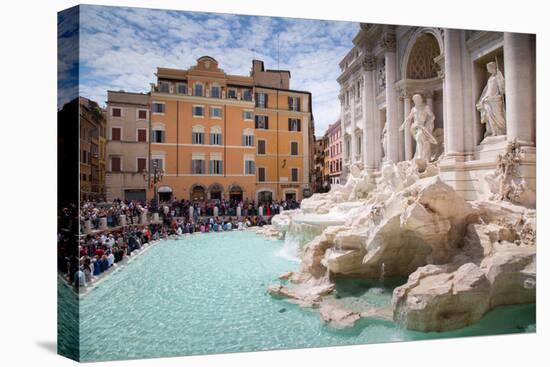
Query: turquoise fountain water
206	294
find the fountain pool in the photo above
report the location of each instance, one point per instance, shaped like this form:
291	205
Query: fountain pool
206	294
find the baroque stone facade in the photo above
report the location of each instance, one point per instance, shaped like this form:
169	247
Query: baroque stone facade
479	85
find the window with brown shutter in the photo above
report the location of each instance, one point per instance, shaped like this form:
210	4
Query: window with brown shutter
261	174
142	114
115	164
117	112
294	172
261	146
142	135
141	164
294	148
115	133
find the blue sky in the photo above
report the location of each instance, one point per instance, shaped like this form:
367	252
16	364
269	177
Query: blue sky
120	48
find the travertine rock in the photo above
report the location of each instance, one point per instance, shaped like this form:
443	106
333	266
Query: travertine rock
462	259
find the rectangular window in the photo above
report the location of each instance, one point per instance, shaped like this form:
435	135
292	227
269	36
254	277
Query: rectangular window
164	87
197	166
215	139
158	136
261	174
261	146
216	167
215	91
116	134
198	89
294	103
198	138
216	112
248	115
247	94
262	122
142	135
182	88
248	140
159	107
294	148
248	167
141	164
157	163
358	148
232	93
261	100
198	111
116	112
94	150
142	114
115	164
294	174
294	125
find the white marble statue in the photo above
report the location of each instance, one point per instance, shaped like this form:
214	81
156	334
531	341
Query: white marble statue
422	120
491	103
384	140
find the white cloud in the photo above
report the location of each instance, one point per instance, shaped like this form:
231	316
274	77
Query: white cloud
120	48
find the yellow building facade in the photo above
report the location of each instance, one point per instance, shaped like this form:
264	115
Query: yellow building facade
221	136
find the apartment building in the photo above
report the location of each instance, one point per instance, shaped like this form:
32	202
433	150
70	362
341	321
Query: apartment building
127	148
217	135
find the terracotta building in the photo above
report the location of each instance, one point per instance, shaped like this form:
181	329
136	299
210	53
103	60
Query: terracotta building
127	145
319	164
92	167
217	135
334	158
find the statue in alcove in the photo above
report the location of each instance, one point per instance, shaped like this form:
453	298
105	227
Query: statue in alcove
491	103
384	140
422	120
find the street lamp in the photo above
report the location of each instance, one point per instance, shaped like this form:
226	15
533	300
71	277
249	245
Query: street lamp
157	174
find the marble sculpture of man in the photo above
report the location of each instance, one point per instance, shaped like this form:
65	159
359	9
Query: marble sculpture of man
491	103
384	140
422	120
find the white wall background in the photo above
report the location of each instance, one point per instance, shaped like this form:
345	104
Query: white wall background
28	183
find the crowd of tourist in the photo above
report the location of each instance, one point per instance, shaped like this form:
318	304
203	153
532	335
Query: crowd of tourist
99	250
132	210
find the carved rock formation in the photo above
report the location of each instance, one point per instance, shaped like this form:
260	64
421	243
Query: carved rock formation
462	258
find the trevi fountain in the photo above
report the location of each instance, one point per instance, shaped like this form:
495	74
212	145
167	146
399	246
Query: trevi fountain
460	258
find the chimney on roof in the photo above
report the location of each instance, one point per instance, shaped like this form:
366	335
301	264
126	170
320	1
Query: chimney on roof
257	66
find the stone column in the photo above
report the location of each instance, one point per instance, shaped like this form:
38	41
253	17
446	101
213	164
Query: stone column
191	212
519	75
345	162
239	211
122	220
388	43
155	218
216	211
371	133
454	107
407	132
